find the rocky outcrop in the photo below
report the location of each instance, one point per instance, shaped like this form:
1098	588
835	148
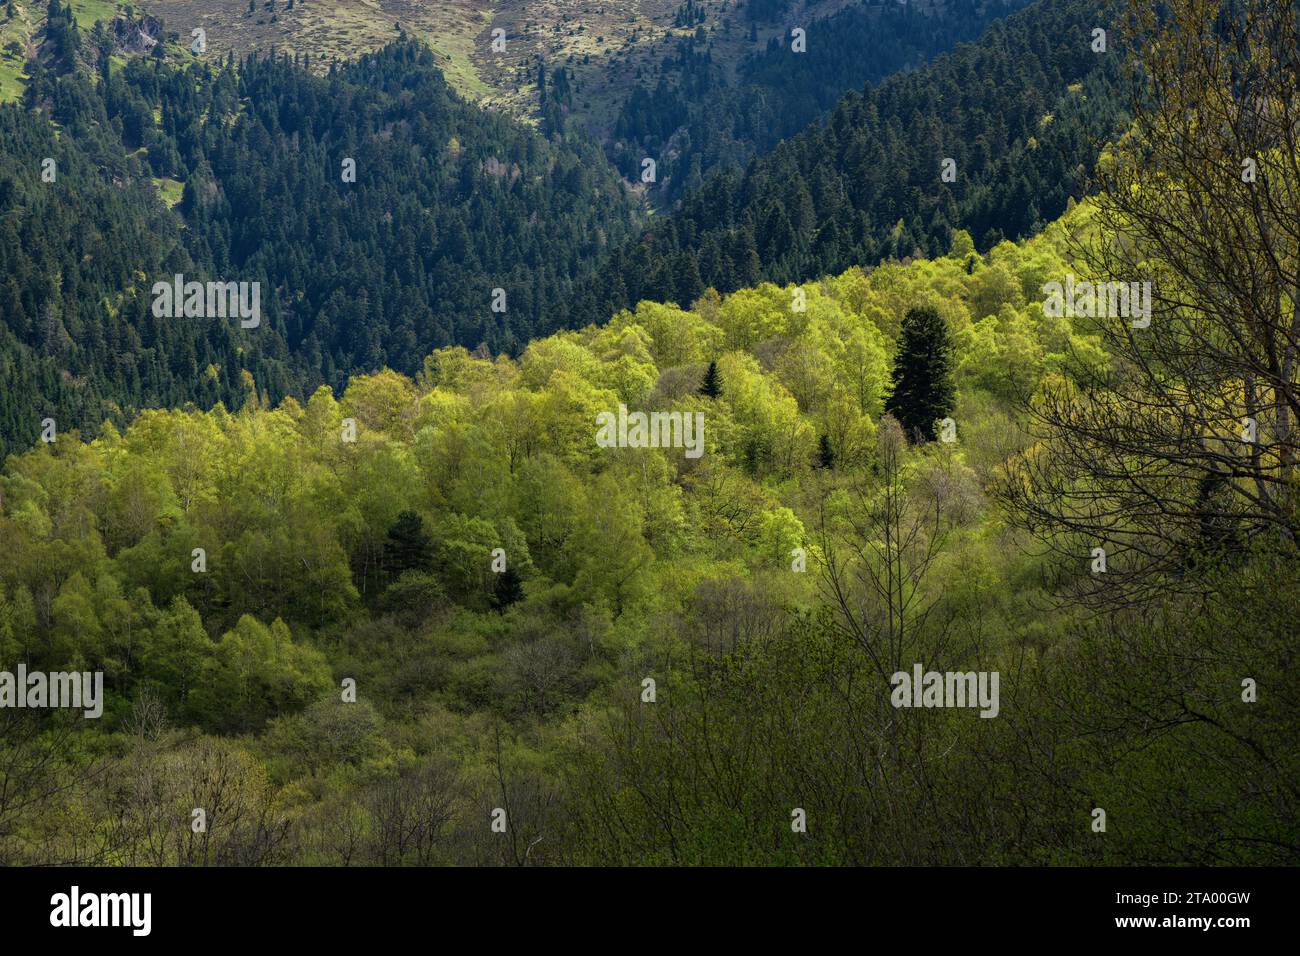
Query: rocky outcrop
138	35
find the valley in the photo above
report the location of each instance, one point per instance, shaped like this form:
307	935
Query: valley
905	473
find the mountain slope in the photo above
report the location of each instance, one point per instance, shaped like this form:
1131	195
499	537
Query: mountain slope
702	115
449	204
1023	114
369	565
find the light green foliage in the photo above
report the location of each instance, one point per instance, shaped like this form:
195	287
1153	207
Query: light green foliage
632	562
256	672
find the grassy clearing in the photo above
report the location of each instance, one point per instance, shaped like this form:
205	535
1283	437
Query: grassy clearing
15	38
455	45
18	37
88	11
170	190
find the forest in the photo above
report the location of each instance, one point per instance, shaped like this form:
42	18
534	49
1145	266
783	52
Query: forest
449	204
995	137
374	585
697	120
308	631
377	210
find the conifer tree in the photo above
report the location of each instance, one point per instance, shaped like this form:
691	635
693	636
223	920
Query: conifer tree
923	389
712	386
825	453
508	590
407	546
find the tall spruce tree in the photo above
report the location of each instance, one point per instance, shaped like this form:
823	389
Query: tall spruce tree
712	385
408	546
508	590
825	453
923	390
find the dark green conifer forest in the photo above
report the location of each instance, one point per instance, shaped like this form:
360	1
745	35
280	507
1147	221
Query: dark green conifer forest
699	120
448	204
1022	115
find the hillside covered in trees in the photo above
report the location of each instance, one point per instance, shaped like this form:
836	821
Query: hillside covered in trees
237	574
700	116
852	513
377	211
993	138
383	217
